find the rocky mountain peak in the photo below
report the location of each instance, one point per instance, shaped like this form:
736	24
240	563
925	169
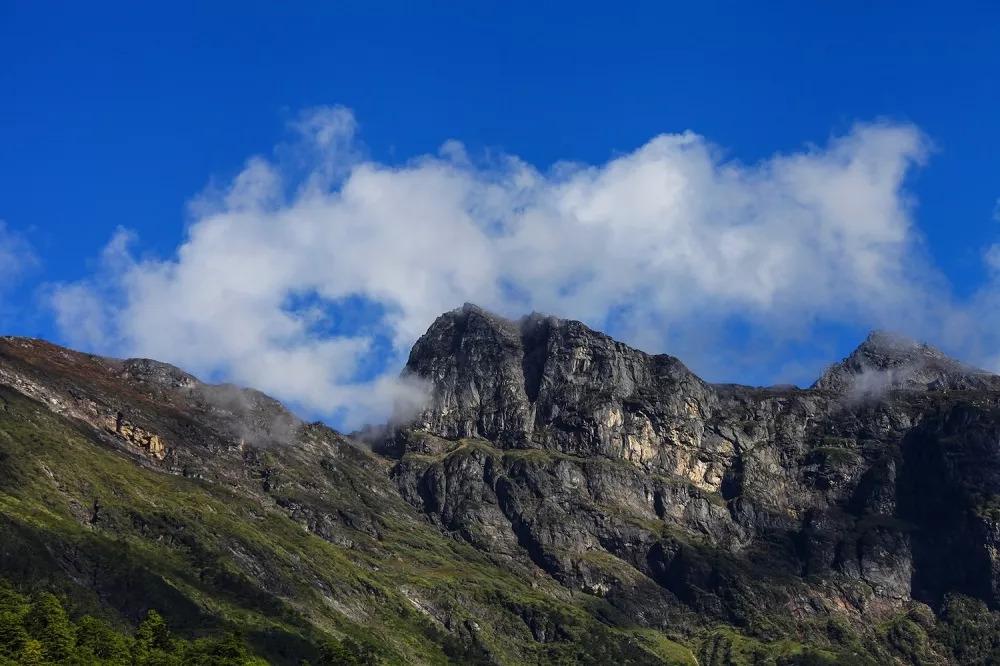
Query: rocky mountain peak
886	360
156	372
547	382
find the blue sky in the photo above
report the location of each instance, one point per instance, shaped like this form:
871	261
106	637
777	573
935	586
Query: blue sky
120	115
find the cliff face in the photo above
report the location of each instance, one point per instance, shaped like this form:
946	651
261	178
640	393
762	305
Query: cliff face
625	476
553	384
561	498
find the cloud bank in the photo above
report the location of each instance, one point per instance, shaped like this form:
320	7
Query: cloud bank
312	272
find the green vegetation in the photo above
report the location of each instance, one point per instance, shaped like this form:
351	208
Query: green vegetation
38	630
835	456
968	629
726	647
362	572
966	632
268	560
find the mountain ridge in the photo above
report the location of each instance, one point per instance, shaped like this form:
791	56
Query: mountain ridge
562	496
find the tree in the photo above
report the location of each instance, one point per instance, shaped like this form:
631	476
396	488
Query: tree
12	634
153	645
96	638
48	623
10	599
229	650
153	632
345	653
32	654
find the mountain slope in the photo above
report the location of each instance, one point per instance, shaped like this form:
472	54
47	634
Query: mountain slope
562	498
288	540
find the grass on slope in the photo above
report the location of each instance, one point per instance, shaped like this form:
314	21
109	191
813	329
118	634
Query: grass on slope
117	539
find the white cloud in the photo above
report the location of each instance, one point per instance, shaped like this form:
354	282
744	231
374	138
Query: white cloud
16	256
661	244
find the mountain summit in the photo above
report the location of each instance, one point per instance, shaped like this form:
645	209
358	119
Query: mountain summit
538	378
561	498
890	361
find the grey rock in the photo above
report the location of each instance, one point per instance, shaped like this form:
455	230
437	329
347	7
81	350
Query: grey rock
886	361
591	459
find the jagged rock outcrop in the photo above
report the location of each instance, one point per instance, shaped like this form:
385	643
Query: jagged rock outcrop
149	442
546	440
555	384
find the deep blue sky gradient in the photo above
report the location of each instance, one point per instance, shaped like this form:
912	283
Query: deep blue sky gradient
118	113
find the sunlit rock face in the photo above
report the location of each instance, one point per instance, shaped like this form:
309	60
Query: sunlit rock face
823	484
548	383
